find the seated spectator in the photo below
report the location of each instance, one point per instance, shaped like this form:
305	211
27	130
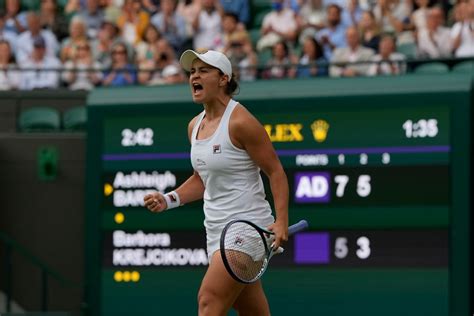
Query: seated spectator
312	62
9	75
111	10
132	22
462	31
152	70
82	72
369	31
102	45
434	41
207	26
5	34
171	25
231	31
122	72
241	8
311	18
145	50
151	6
419	17
77	35
351	13
15	20
171	74
189	10
392	15
242	55
93	16
25	39
40	70
282	64
387	62
51	19
343	57
278	25
333	35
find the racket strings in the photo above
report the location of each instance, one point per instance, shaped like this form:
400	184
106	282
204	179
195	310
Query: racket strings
245	251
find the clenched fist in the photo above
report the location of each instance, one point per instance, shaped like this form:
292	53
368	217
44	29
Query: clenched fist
155	202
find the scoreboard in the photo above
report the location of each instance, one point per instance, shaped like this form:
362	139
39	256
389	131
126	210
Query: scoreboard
379	168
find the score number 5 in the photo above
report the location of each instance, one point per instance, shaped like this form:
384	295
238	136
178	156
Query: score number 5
363	185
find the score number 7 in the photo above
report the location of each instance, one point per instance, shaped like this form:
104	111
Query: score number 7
363	185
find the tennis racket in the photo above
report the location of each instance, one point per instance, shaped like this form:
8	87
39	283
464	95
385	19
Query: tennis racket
246	248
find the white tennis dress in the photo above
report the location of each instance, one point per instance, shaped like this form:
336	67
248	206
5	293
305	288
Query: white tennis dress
232	181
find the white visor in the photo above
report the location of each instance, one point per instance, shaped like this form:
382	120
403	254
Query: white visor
210	57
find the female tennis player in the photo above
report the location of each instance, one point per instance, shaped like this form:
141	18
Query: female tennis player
229	147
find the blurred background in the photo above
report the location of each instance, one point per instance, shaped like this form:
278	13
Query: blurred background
367	102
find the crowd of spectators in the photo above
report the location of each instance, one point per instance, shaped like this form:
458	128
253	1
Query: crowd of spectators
81	44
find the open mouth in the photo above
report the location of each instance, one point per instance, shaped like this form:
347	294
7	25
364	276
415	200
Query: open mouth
197	87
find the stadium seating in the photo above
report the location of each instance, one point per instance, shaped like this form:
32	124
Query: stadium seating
407	49
432	68
75	119
464	67
39	119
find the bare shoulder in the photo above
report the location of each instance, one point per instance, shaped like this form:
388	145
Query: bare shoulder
191	126
244	126
242	118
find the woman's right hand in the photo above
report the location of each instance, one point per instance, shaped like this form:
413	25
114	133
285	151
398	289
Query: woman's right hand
155	202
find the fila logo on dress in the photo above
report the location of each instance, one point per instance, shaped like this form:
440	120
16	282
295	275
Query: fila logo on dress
216	149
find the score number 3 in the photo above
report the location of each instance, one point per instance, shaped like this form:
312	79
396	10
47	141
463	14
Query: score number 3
341	250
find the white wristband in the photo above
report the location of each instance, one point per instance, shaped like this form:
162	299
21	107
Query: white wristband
172	200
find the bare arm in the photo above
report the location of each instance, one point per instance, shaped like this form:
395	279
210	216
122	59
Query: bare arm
247	133
191	190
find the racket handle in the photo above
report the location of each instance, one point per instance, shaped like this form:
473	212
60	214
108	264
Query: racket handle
301	225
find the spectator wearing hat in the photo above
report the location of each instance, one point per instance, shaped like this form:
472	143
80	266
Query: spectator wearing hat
25	39
348	61
39	70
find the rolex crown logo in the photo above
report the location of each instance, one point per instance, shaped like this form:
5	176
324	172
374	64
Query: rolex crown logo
320	130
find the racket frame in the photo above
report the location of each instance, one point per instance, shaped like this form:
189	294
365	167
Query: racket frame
269	252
